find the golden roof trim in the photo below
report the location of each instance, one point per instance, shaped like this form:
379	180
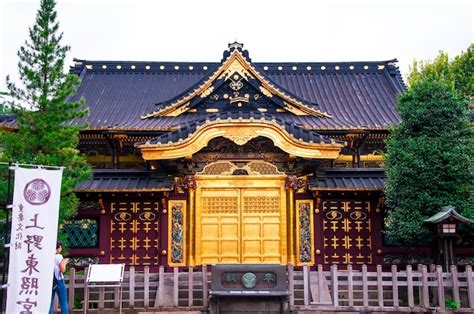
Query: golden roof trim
236	62
233	130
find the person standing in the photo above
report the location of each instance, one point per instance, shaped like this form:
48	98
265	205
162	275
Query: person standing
60	289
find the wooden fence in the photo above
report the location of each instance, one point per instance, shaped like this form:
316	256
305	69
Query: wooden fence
424	289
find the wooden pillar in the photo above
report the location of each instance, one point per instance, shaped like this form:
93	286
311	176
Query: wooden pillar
192	208
291	225
205	294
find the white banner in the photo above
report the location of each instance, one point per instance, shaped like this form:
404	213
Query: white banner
33	239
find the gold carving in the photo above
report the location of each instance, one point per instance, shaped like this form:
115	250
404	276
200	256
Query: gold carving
234	64
265	92
261	204
346	225
122	226
358	215
263	167
239	139
350	238
219	205
147	216
242	128
177	235
236	82
240	219
294	110
207	92
304	233
256	167
333	215
146	245
122	243
217	168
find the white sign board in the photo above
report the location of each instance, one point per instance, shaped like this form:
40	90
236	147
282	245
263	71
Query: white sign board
105	273
33	239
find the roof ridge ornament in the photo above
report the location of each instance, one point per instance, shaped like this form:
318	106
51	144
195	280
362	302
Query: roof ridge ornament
236	46
236	62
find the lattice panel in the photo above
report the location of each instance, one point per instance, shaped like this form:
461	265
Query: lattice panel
347	232
222	205
229	168
134	233
82	233
263	168
220	167
262	204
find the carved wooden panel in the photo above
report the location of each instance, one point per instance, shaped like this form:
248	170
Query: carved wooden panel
261	233
239	226
347	232
177	233
220	226
304	232
134	232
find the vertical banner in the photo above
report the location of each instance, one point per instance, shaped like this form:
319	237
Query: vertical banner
33	239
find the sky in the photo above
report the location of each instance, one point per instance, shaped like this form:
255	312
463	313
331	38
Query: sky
272	31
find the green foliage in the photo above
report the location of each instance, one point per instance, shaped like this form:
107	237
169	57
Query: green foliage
44	134
429	160
450	304
458	72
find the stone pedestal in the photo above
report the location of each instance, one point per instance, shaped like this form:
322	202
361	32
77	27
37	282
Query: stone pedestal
254	305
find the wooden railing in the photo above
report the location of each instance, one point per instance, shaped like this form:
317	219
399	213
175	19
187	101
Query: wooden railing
420	290
425	289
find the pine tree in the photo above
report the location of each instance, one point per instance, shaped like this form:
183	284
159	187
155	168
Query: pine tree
429	160
45	134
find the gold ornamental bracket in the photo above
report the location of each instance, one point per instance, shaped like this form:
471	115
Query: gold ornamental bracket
235	63
240	131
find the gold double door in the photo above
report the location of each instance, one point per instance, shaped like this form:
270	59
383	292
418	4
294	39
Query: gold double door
241	221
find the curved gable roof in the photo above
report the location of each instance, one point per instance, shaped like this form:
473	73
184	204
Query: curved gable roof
355	94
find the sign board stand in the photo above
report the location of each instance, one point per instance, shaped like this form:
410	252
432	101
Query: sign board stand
104	275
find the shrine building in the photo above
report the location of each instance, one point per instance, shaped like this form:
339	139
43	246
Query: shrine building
234	161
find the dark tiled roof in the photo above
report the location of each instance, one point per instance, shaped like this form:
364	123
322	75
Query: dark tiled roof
126	181
8	120
355	94
188	128
348	179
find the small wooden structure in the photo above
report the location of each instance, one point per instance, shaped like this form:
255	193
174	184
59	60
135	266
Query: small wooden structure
447	221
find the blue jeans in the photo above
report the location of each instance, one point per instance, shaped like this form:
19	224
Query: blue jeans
62	295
